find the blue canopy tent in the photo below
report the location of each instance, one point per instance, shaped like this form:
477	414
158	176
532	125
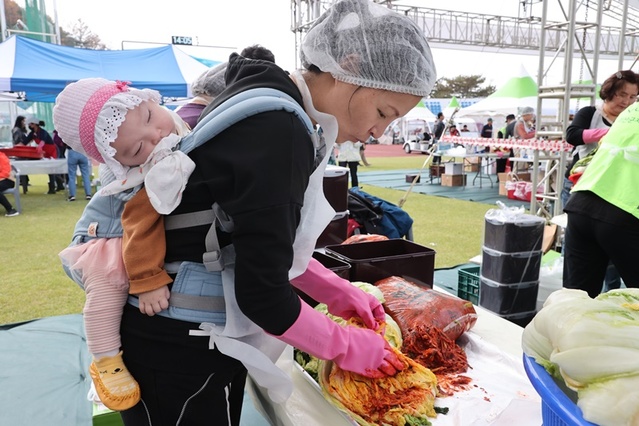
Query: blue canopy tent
38	71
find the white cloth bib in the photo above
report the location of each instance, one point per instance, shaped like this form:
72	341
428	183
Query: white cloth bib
164	174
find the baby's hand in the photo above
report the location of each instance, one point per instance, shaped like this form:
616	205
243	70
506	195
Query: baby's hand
154	301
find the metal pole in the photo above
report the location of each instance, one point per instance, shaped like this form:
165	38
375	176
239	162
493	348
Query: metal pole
56	22
3	22
622	36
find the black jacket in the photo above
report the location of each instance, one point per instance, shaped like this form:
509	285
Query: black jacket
439	129
510	129
257	170
575	131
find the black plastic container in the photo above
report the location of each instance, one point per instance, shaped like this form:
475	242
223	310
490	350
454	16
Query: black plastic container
524	233
335	185
339	267
375	260
507	299
411	178
510	268
336	231
522	319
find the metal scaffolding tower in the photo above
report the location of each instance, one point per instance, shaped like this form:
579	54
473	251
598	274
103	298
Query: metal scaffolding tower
578	33
521	35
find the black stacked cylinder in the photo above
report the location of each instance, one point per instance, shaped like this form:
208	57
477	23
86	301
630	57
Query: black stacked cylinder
511	261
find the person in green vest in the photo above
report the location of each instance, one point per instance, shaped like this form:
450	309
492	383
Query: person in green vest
502	133
603	211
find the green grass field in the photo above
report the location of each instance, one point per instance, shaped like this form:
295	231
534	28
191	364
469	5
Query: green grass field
34	285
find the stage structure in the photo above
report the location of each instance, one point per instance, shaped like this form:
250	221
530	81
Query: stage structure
581	32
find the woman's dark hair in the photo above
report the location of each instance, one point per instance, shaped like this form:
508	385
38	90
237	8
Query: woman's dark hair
258	52
615	82
314	69
20	122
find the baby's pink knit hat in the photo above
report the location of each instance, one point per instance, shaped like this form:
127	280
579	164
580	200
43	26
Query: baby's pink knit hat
88	113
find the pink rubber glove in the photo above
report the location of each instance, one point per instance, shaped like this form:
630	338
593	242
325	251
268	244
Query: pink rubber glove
359	350
342	298
594	135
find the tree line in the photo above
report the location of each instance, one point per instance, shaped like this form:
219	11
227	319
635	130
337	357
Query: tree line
78	36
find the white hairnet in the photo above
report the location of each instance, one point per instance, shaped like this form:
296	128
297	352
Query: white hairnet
210	82
527	110
366	44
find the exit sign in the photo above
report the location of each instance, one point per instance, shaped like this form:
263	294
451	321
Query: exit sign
182	40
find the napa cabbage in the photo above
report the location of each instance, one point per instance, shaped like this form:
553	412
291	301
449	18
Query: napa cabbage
593	346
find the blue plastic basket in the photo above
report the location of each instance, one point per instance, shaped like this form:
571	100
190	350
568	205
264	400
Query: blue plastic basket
557	409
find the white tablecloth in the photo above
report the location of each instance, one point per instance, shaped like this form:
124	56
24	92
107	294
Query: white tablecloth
41	167
503	397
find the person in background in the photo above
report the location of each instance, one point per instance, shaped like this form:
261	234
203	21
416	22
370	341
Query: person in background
487	130
511	122
205	88
19	131
211	83
44	140
348	156
438	128
501	133
603	219
501	151
272	192
438	132
19	136
61	179
590	124
453	130
525	124
6	183
59	143
77	160
465	128
362	152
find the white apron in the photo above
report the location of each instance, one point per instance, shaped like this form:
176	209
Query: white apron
241	338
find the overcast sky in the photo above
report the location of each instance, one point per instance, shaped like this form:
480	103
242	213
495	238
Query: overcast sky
239	23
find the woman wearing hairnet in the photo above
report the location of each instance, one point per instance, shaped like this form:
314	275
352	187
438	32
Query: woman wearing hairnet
364	66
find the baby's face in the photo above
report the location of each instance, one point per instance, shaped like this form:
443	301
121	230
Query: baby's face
143	127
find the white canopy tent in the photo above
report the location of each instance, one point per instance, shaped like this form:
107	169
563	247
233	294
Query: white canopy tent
518	92
416	121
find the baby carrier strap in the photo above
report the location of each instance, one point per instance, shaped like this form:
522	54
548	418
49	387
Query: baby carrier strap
230	112
238	108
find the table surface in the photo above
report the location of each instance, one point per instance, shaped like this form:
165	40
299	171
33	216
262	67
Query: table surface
45	166
308	407
467	155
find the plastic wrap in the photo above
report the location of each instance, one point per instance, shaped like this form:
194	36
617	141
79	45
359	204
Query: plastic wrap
361	238
430	322
511	230
411	305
